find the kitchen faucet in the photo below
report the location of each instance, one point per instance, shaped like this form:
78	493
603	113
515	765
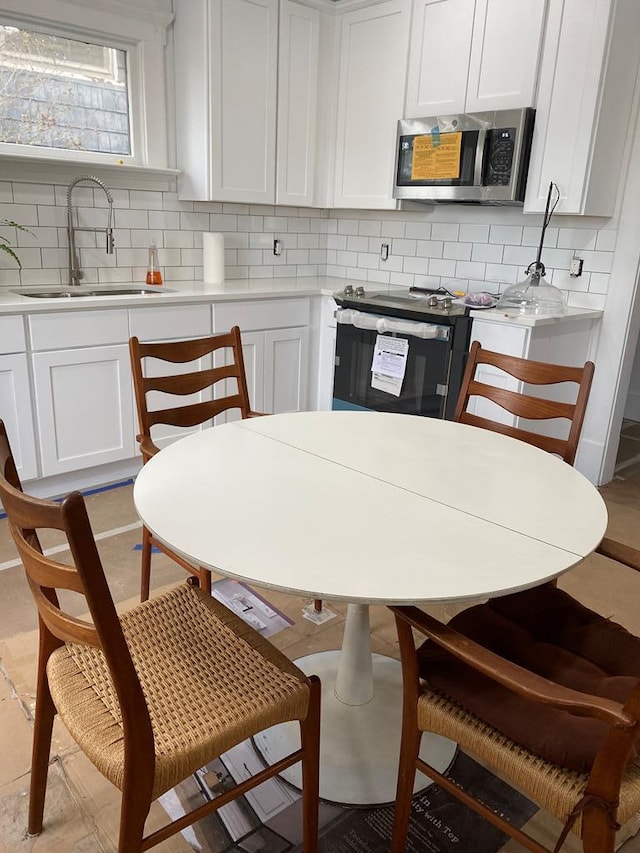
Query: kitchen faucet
76	274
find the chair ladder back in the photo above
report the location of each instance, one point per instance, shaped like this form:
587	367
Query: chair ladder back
524	404
183	352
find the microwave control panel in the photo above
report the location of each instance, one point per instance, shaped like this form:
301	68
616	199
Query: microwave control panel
500	148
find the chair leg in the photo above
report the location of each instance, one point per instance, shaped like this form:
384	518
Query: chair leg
205	580
310	737
145	569
136	802
598	835
409	748
42	730
317	605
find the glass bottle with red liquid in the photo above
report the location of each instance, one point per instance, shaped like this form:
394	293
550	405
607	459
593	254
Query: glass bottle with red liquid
154	275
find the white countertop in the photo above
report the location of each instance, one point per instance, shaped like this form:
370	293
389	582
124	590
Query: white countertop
235	290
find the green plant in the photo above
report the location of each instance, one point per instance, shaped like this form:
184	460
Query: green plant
5	245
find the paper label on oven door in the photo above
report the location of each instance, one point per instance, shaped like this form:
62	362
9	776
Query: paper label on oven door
436	157
389	364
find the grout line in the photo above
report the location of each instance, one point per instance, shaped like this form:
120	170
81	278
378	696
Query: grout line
58	549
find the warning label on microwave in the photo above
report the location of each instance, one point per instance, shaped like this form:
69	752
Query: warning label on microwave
436	157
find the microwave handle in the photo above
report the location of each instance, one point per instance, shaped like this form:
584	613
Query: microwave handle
479	161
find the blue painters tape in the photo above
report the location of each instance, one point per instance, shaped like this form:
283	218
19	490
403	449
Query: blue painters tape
138	547
435	135
88	492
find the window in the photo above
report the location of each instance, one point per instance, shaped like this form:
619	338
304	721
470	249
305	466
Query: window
62	93
83	81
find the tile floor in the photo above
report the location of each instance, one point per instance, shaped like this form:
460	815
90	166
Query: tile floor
82	809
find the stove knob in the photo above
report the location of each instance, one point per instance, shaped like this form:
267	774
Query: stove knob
348	291
447	302
432	302
359	291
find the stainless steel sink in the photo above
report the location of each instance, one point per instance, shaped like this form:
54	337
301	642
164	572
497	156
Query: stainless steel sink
79	292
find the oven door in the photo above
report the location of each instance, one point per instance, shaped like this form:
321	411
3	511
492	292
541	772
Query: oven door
424	389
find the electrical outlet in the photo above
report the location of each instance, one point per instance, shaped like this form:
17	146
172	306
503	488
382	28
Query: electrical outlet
575	269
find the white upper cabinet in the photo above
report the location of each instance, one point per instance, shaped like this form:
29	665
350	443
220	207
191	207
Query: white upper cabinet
246	74
585	104
473	55
297	103
373	45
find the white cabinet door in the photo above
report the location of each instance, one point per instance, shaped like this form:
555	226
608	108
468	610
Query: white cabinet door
297	102
504	54
473	55
226	68
439	54
85	407
286	368
244	60
585	99
15	411
373	61
253	356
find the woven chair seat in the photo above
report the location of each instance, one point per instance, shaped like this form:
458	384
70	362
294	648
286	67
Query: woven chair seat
196	661
554	788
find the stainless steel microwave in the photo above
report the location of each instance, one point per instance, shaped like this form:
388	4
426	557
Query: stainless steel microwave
480	158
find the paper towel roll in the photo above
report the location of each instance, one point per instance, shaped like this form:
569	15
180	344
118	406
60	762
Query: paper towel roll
213	257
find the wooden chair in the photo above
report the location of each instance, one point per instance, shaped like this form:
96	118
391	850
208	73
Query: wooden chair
525	404
468	684
181	413
157	693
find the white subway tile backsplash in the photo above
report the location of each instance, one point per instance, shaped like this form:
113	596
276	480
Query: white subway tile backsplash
577	238
416	265
393	228
123	218
457	251
33	194
25	214
440	267
38	237
50	216
164	219
474	233
487	252
222	222
504	272
347	226
418	230
508	234
598	261
145	200
368	261
370	228
358	244
599	282
523	255
606	240
531	236
470	269
404	247
299	226
482	251
444	231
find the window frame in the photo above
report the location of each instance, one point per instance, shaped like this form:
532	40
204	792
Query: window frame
143	40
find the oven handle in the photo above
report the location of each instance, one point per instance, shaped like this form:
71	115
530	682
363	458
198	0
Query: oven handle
382	325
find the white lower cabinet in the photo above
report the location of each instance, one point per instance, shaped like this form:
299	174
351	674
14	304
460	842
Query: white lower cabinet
85	411
157	323
286	369
82	386
275	347
15	411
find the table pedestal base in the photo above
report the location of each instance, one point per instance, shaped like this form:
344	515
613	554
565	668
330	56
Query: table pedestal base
359	744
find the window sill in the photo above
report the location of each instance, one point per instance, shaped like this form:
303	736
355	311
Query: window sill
52	170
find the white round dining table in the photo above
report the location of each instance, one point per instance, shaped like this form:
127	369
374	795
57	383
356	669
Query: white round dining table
368	508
